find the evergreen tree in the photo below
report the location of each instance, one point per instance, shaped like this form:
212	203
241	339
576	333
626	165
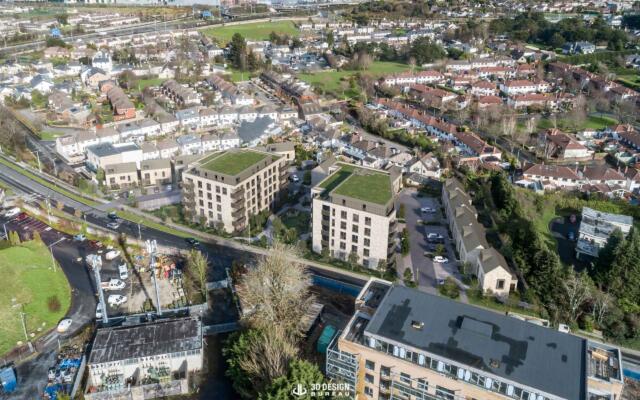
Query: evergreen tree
300	372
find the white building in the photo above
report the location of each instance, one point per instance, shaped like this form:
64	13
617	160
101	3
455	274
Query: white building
144	361
595	229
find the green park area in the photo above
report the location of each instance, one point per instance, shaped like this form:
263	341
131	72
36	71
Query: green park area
331	81
33	287
253	31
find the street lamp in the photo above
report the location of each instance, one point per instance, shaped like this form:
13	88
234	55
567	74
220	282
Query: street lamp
53	260
24	323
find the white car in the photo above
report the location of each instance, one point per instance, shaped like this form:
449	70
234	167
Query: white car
99	311
112	254
122	270
12	212
64	325
116	299
113	225
428	210
113	284
440	259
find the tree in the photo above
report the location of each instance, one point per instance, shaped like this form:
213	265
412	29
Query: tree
424	51
404	242
577	288
197	263
601	305
238	52
276	291
353	259
300	372
330	39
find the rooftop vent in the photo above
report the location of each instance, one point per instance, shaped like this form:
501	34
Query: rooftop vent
494	363
417	324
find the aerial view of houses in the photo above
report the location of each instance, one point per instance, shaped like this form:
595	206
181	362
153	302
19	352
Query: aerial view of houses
329	199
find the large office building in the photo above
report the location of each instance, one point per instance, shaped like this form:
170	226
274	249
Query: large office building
595	229
145	361
402	343
353	212
226	188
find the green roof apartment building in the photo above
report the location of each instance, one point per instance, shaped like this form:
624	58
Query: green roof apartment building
227	187
353	212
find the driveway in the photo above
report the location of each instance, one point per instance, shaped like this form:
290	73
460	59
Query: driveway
425	271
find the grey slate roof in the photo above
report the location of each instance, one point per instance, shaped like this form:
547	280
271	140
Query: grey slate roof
519	351
160	337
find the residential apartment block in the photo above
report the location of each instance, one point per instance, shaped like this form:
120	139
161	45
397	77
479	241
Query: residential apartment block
491	268
121	176
353	212
595	229
229	186
402	343
152	360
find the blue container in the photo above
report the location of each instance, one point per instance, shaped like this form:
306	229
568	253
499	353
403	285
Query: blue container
325	339
8	379
55	32
635	375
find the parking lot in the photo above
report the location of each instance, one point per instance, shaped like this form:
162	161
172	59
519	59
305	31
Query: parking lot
428	273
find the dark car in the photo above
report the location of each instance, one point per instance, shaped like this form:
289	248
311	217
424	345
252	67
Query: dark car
112	215
193	242
94	244
22	216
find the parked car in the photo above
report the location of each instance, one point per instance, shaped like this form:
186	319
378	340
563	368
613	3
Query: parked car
122	270
98	311
440	259
112	255
294	178
12	212
79	237
64	325
571	236
22	217
113	225
116	299
428	210
112	215
94	244
113	284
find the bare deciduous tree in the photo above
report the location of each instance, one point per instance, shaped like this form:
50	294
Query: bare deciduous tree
198	264
601	305
276	291
578	290
269	354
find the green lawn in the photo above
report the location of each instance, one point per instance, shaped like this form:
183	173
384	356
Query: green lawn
145	83
50	135
591	122
28	277
150	224
330	80
232	163
252	31
299	220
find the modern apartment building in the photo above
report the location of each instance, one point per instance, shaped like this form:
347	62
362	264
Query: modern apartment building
227	187
402	343
146	361
595	229
353	212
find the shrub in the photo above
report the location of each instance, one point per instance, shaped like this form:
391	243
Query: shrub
450	289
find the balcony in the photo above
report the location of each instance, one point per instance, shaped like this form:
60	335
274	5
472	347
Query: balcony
237	213
238	194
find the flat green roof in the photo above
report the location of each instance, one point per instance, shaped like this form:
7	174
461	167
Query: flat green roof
359	183
232	162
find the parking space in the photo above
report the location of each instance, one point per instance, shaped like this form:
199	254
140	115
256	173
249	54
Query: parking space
431	250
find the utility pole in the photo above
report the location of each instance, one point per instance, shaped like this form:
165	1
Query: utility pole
48	203
139	232
24	329
152	248
38	157
53	260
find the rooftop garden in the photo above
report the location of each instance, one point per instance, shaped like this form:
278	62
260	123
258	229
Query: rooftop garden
233	162
359	183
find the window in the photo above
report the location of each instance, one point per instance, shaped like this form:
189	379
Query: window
354	238
367	242
444	393
343	236
354	248
385	371
370	365
422	384
367	231
366	252
343	225
367	221
368	391
405	378
368	378
343	214
355	218
500	284
354	228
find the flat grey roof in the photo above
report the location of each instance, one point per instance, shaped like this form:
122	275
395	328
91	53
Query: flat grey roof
155	338
535	356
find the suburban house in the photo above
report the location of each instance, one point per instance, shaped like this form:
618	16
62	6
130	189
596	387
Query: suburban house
121	176
155	172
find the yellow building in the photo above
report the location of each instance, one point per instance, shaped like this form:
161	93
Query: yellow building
402	343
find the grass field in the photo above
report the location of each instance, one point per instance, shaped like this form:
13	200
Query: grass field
330	80
50	135
145	83
591	122
28	278
254	31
